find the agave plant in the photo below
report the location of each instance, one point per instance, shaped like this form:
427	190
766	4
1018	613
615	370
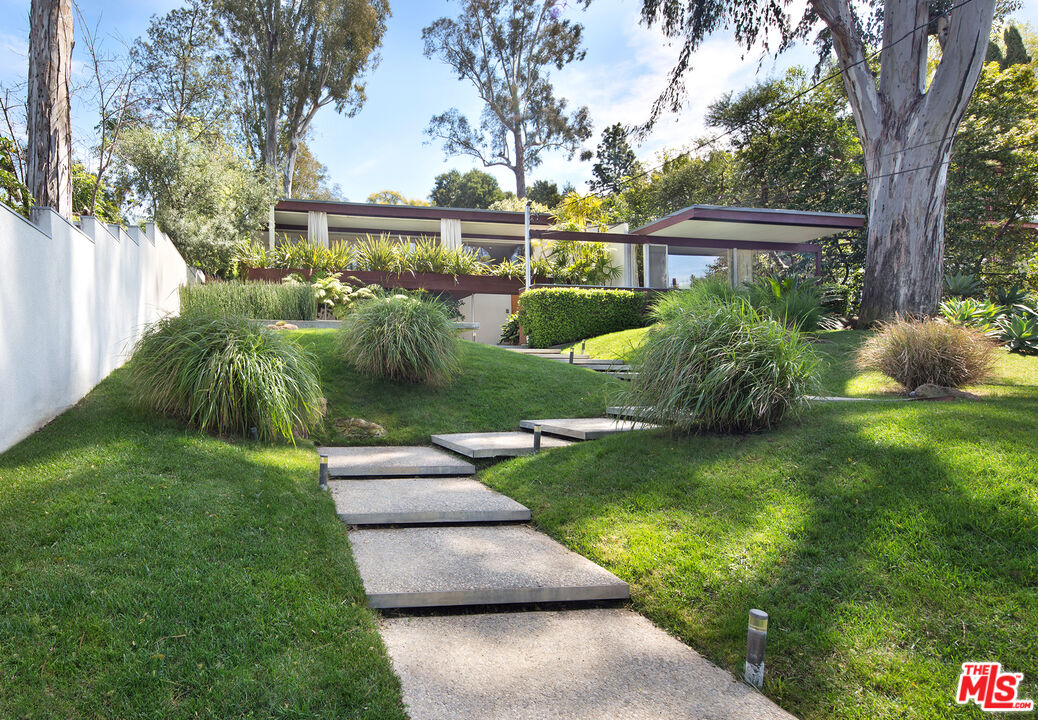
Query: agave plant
969	312
962	284
1019	331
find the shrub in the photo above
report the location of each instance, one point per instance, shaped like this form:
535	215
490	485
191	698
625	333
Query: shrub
724	368
1019	331
225	375
401	337
550	316
969	312
917	352
702	293
510	330
794	303
269	301
962	284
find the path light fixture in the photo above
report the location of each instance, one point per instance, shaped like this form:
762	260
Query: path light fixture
536	438
756	638
322	480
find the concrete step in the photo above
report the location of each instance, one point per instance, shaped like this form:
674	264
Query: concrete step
571	665
634	411
475	565
400	501
495	444
528	350
585	428
607	368
393	461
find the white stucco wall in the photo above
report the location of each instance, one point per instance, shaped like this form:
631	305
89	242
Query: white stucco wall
73	301
490	311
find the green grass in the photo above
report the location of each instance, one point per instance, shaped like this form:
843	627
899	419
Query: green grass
614	346
493	390
890	542
151	572
260	300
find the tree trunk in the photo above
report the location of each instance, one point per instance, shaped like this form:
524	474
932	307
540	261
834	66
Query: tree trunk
290	166
905	251
520	165
49	126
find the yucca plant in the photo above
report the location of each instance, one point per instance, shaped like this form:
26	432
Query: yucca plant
226	375
401	337
724	368
919	352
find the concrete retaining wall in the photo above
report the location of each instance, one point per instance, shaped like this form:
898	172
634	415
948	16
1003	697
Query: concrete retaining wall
73	301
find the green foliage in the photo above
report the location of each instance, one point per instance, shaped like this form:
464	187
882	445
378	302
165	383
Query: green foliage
962	284
917	352
392	197
1008	296
266	301
200	192
510	330
1019	331
701	295
12	192
970	312
616	162
401	337
1015	52
226	375
545	193
726	368
474	189
105	206
550	316
793	302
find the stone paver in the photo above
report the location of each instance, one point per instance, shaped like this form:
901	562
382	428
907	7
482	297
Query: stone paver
393	461
573	665
475	565
401	501
495	444
585	428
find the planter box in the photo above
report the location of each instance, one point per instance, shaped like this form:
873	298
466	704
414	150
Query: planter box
460	286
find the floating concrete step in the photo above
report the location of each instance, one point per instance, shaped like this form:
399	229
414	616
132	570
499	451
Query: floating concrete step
400	501
393	461
585	428
634	411
528	350
611	369
495	444
575	664
595	361
475	565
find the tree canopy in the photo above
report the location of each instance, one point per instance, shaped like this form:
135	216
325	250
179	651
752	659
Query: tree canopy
474	189
616	161
505	49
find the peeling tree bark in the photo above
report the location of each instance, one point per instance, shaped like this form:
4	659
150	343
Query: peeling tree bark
906	132
49	169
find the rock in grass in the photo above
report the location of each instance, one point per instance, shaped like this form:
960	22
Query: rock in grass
929	390
360	426
282	325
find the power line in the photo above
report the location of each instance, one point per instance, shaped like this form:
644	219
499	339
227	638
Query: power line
796	96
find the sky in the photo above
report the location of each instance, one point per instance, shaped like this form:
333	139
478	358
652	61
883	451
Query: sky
384	147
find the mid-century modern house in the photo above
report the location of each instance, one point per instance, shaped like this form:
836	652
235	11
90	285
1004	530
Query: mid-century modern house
733	232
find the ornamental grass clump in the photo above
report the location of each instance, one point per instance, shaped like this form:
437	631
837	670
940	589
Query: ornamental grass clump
401	337
723	368
920	352
225	375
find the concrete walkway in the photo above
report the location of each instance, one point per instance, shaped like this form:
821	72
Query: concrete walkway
616	368
439	542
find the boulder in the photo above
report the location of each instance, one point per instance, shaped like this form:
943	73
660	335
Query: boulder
929	391
359	426
282	325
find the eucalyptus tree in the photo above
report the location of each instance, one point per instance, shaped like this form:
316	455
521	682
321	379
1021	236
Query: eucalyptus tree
905	118
505	49
48	118
294	57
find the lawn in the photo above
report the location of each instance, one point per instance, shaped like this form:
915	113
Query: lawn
614	346
494	390
151	572
890	542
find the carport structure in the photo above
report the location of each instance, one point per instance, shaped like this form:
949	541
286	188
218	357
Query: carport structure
734	232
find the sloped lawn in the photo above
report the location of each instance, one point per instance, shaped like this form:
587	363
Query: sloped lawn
494	390
890	542
151	572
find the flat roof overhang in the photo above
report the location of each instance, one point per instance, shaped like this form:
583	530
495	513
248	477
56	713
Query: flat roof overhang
698	229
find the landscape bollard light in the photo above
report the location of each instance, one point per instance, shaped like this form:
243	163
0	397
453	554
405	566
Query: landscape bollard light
756	637
571	356
536	438
582	344
322	481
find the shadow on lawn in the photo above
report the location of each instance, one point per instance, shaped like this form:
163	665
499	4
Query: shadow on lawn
885	561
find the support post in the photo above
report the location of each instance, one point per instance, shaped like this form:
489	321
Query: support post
271	229
756	638
526	240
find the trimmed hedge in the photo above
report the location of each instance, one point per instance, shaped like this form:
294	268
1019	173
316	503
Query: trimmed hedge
551	316
260	300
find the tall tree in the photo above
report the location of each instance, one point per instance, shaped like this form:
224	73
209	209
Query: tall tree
311	180
474	189
187	78
905	125
49	124
505	48
616	160
293	58
546	193
1015	52
392	197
